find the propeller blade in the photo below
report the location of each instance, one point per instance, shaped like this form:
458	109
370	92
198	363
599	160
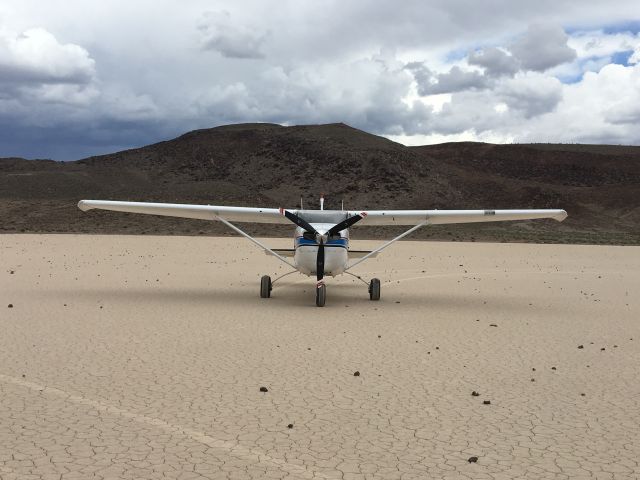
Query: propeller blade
320	261
299	221
344	224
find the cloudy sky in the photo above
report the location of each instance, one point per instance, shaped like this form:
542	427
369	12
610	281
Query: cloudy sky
79	78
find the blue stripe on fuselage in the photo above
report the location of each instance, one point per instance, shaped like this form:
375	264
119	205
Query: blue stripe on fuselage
337	242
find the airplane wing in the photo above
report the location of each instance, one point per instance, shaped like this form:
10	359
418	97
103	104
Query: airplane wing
437	217
202	212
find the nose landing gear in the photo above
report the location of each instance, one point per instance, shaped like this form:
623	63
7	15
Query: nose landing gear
321	295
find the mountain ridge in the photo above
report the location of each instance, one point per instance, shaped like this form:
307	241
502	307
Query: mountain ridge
274	165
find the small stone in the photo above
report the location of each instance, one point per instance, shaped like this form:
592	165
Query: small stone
533	369
493	325
379	336
553	368
290	425
264	389
356	373
23	375
308	348
581	346
583	394
437	348
397	301
472	459
486	402
475	394
12	272
602	349
10	305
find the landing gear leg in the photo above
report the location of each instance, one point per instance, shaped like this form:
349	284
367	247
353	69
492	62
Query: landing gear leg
321	295
374	289
265	286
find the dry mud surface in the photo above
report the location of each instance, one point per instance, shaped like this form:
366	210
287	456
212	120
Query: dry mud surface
143	357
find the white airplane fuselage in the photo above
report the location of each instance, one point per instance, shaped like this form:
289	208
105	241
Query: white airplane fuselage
336	251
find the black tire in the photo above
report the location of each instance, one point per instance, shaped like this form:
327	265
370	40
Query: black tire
374	289
265	286
321	295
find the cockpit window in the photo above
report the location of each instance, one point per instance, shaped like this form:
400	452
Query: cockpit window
308	236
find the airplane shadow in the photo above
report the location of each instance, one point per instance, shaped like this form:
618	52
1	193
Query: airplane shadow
288	295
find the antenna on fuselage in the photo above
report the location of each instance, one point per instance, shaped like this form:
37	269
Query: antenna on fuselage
301	208
342	205
322	201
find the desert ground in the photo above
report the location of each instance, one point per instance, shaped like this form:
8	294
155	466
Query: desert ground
144	357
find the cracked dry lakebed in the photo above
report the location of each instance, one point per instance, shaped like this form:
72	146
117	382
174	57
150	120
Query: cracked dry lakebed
155	357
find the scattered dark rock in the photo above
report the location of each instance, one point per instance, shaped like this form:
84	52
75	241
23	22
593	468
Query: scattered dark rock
472	459
379	336
615	346
553	368
264	389
580	346
583	394
12	272
290	425
23	375
486	402
475	394
397	301
308	348
533	369
493	325
602	349
10	305
533	379
356	373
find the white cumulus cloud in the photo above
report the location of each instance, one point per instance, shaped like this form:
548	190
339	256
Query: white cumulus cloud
35	56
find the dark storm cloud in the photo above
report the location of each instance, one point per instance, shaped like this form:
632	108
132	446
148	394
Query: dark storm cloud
495	61
455	80
542	47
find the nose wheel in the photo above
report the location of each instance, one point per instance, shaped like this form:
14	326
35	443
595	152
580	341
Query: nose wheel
374	289
265	286
321	295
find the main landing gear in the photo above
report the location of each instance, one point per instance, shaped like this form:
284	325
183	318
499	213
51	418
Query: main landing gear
266	285
374	289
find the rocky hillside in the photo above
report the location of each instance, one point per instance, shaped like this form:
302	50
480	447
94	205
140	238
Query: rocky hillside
271	165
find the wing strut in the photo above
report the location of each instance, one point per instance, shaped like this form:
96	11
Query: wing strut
382	247
261	245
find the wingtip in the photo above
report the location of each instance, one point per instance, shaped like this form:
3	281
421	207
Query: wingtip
561	215
82	205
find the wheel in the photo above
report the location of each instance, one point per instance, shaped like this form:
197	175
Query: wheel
374	289
265	286
321	295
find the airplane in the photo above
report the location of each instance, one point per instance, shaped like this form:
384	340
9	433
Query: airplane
321	237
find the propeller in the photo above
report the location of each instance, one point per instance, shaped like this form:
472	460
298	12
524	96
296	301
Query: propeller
299	221
320	238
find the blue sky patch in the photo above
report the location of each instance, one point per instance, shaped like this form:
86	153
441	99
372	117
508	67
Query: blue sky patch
622	58
632	26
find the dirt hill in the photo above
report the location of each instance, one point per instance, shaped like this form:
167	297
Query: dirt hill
270	165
